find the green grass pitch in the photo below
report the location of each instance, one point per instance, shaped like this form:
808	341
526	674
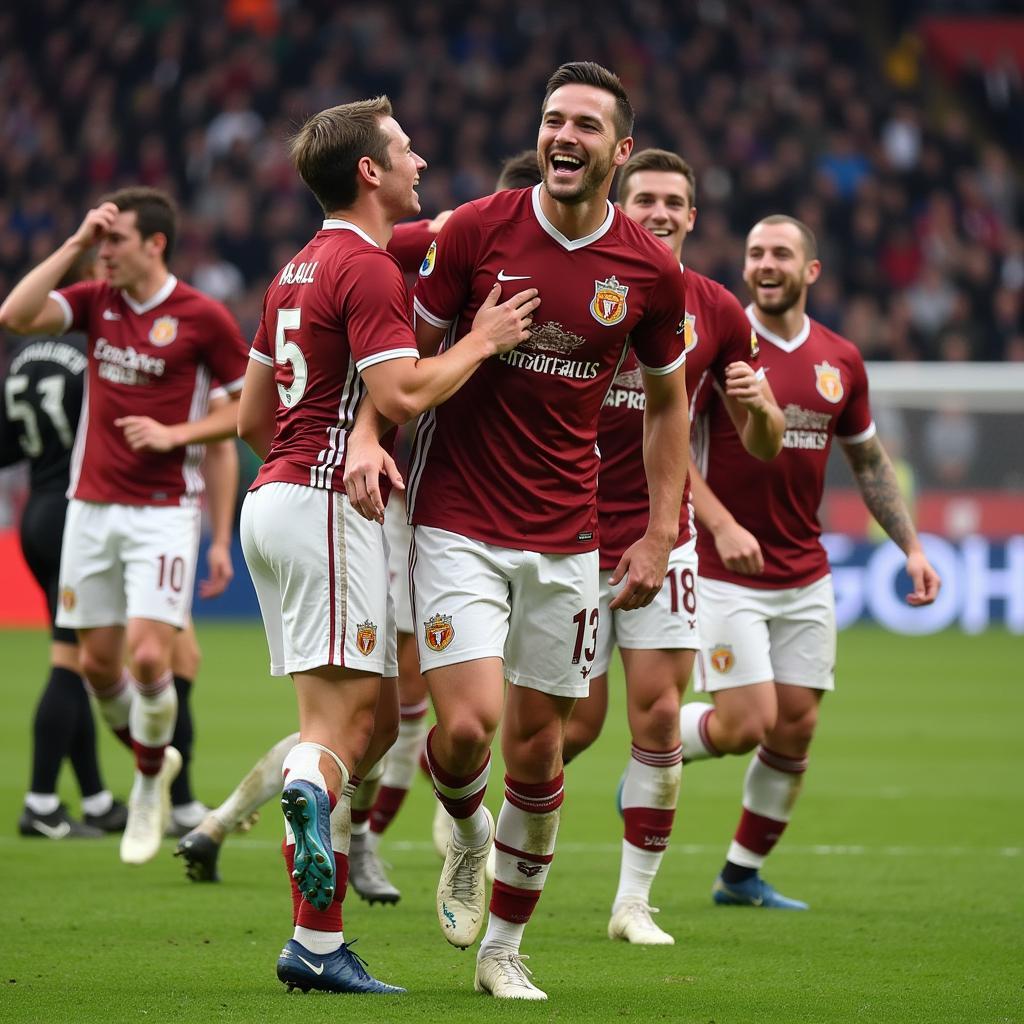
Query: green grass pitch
907	842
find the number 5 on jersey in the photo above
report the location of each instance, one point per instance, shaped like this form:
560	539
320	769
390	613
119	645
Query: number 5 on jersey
288	353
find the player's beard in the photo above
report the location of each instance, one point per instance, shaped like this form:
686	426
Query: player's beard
787	298
590	184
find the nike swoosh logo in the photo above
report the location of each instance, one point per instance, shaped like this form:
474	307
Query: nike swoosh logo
52	831
502	276
108	315
315	970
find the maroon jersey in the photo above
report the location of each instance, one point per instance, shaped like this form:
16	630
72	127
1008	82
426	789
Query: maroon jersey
410	242
510	458
820	382
155	359
717	333
335	308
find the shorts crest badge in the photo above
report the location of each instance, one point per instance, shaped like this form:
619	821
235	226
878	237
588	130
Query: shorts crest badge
427	266
164	330
68	599
366	637
722	658
608	306
828	382
438	632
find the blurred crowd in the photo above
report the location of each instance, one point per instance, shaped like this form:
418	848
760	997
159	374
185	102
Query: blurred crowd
780	106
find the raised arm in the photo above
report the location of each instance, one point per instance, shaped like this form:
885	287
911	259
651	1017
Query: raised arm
29	309
753	410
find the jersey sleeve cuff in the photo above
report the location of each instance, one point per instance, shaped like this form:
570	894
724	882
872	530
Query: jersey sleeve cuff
383	357
864	435
661	371
260	357
434	321
65	308
235	385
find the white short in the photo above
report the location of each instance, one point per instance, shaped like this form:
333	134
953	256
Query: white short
754	635
321	576
669	622
536	611
398	534
121	562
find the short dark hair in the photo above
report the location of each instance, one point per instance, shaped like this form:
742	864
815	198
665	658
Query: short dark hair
519	171
806	234
656	160
327	149
587	72
154	212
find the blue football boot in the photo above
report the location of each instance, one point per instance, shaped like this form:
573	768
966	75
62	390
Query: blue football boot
340	971
308	811
752	892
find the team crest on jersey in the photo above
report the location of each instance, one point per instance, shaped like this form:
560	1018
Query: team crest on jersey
366	637
755	345
427	266
438	632
688	329
608	306
828	382
164	330
68	599
722	658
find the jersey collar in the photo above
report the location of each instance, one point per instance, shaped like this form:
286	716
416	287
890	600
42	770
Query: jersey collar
566	243
335	224
787	345
138	308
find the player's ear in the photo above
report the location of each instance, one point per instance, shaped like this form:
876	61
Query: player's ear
368	172
812	271
623	149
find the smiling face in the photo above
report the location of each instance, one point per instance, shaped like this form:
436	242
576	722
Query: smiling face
576	146
776	269
661	202
125	256
398	185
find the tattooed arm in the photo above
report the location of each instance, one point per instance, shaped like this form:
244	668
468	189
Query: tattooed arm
877	482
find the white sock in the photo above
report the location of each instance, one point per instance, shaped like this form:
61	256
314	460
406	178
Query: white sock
318	942
262	783
115	703
636	873
42	803
474	830
693	731
501	937
98	803
404	757
153	711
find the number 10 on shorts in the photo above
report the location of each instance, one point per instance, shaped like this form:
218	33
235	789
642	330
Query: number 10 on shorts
170	573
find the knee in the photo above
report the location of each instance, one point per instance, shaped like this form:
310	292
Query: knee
99	667
794	734
657	726
579	734
537	757
149	661
467	735
741	734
